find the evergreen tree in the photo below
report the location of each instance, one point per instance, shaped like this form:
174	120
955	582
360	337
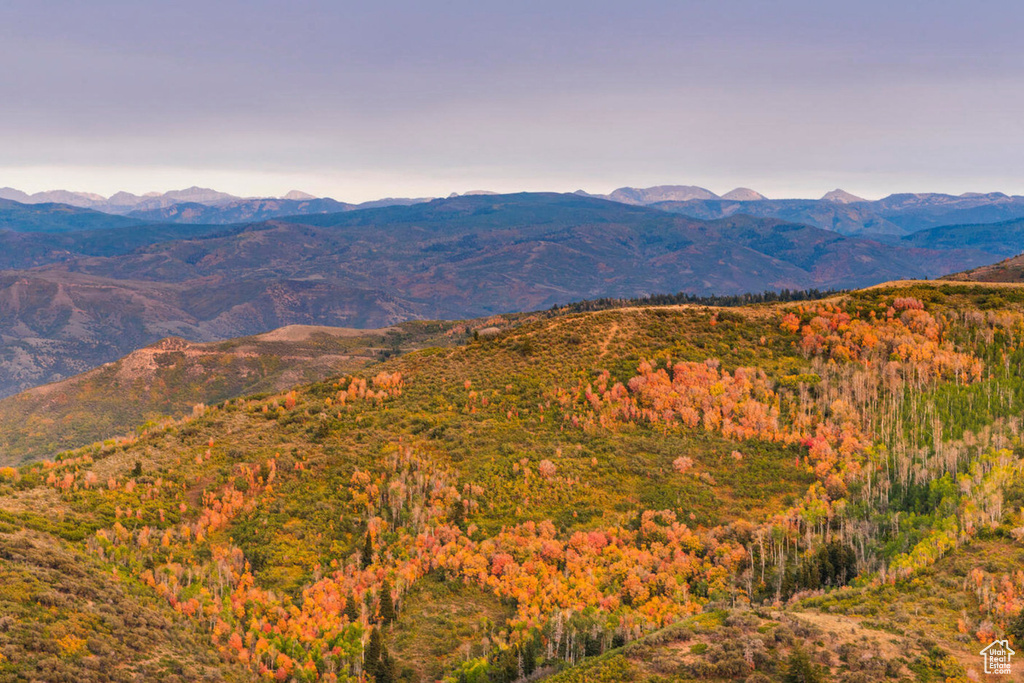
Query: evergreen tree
827	569
386	669
371	658
367	551
529	656
352	610
458	515
387	604
799	668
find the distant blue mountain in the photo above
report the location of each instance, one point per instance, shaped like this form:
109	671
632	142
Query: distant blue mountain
56	218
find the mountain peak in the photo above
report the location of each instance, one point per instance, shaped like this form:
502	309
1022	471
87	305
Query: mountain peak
984	195
841	197
14	195
298	195
660	193
743	194
124	199
200	195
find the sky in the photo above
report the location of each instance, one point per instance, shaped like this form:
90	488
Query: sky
410	98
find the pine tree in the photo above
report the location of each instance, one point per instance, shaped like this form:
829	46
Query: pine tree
799	668
458	515
529	656
367	551
386	669
387	604
371	659
352	610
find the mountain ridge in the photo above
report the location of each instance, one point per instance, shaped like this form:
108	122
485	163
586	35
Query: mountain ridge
151	204
1007	271
457	258
892	216
49	217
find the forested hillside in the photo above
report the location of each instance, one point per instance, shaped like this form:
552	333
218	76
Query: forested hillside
818	490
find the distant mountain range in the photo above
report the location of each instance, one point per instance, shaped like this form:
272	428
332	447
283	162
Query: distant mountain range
193	205
121	202
80	287
72	300
894	216
51	218
238	210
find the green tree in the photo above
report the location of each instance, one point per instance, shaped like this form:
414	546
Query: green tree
505	667
367	551
530	656
799	668
371	658
352	610
387	671
458	515
387	604
474	671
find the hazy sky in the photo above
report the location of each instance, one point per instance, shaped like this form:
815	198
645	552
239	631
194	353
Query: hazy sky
401	98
